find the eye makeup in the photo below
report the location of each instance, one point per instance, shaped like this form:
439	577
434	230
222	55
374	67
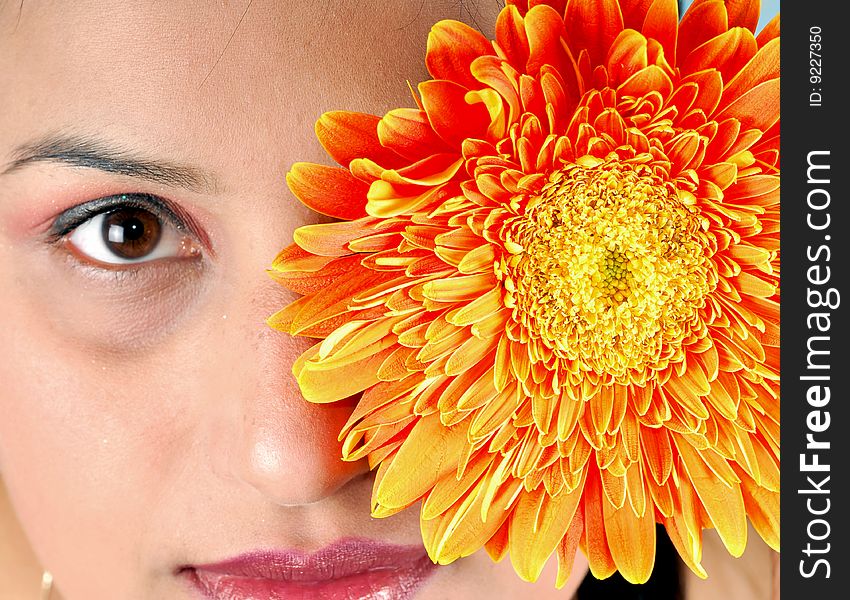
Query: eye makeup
126	230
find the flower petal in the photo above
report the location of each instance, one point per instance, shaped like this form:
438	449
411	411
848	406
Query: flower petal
451	116
701	22
662	24
593	25
347	135
743	13
727	52
330	191
763	67
626	532
407	132
770	32
452	46
539	523
431	451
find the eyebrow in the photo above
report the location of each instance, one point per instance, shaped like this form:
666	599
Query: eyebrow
93	153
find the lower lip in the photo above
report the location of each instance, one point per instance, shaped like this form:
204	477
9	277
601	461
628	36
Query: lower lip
397	583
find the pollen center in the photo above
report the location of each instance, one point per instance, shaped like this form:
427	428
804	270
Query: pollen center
609	268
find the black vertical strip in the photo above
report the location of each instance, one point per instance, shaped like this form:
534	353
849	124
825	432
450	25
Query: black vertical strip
814	253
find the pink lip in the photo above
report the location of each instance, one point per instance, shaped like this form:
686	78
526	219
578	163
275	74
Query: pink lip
350	569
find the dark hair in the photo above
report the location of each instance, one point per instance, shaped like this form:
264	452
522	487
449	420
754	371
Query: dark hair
664	584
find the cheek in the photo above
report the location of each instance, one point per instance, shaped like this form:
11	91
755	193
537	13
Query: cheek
85	445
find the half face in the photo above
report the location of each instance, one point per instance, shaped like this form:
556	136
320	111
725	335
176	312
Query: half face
151	424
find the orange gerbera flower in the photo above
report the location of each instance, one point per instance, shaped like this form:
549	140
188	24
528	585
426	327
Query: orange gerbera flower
555	283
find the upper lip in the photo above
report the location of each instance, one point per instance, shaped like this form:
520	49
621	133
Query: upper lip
341	559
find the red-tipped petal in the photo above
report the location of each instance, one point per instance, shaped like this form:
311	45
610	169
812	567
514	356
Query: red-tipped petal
450	115
627	56
662	24
770	32
727	53
635	11
762	67
544	28
593	25
743	13
408	132
347	135
328	190
452	46
701	22
511	37
756	109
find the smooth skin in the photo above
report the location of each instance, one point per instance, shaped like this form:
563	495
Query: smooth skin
149	416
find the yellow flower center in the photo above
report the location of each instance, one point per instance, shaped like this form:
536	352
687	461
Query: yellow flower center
609	268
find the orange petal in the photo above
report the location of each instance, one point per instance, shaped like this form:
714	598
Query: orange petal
770	32
511	37
458	289
690	550
567	549
408	132
452	46
430	452
328	190
348	135
701	22
450	489
658	452
324	386
544	28
627	56
490	71
460	530
312	281
710	85
497	546
594	541
662	24
631	540
763	510
452	118
762	67
635	12
688	395
331	239
728	53
538	525
652	78
593	25
724	505
432	170
743	13
335	300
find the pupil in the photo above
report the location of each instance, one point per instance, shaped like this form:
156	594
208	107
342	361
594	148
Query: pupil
131	232
134	229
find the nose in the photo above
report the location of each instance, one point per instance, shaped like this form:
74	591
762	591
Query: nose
281	446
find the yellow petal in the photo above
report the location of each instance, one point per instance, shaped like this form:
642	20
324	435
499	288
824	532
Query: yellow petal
724	505
632	541
430	452
537	526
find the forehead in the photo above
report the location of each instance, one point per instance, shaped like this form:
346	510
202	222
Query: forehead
187	74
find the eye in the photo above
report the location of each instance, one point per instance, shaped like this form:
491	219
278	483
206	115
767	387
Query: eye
126	229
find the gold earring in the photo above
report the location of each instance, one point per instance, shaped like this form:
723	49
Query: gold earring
46	585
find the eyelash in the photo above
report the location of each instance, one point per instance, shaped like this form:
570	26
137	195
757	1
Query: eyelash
70	220
75	216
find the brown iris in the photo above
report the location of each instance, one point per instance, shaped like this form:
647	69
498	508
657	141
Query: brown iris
131	232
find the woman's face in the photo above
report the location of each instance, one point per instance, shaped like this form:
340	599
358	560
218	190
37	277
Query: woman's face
150	422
